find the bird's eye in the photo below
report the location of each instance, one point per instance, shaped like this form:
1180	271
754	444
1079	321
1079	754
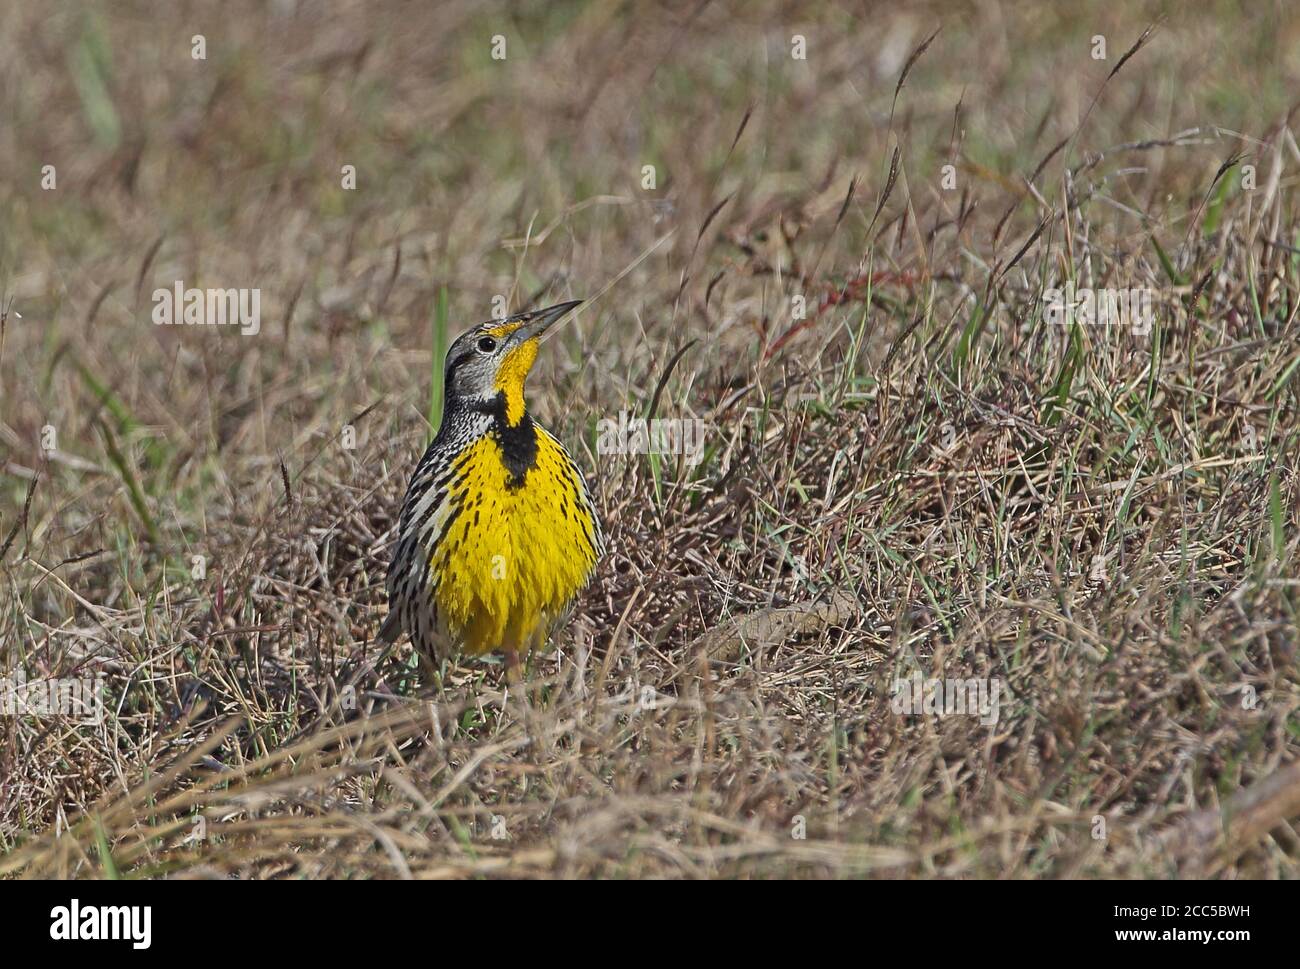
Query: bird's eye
487	344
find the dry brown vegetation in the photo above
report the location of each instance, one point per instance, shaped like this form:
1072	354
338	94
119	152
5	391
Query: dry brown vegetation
922	474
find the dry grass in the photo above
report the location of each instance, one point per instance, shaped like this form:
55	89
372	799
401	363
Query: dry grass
922	474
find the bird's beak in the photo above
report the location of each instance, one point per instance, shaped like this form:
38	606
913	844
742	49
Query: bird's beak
539	321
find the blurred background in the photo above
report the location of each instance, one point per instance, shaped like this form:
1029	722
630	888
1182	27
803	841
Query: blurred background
523	176
202	515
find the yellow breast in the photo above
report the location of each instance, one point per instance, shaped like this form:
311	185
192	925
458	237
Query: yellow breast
516	552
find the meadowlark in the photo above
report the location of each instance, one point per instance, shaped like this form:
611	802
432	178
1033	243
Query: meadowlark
498	532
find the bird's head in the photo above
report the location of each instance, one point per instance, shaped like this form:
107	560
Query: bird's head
492	360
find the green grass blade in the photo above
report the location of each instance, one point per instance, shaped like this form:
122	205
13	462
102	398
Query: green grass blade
88	63
969	334
105	853
1167	264
440	316
1065	377
133	489
1275	516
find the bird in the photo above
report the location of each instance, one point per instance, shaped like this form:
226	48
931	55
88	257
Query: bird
498	532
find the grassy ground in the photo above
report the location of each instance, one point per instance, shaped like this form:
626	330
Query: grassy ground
921	474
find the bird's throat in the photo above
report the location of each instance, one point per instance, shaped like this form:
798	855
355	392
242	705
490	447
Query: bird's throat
511	376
